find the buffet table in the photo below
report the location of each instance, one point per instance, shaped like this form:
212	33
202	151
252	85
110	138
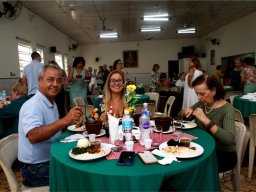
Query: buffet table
245	106
195	174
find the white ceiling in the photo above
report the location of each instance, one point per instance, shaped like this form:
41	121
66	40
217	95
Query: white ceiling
125	17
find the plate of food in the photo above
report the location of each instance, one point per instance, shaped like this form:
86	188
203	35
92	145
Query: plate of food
86	151
76	128
185	124
194	150
102	132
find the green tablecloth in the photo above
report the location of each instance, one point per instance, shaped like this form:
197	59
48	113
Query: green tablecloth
246	106
196	174
228	88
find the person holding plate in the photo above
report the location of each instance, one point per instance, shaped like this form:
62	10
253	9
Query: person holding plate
216	116
39	126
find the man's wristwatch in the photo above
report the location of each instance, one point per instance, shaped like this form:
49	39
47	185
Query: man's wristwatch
210	125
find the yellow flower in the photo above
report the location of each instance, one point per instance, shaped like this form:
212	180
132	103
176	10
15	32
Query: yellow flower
131	87
130	109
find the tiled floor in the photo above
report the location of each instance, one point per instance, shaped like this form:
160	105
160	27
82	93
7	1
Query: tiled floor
245	186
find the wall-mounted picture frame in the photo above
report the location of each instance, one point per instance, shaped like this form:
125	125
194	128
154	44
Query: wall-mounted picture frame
212	57
130	59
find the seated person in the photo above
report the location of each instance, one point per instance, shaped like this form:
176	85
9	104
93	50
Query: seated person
164	83
9	114
181	81
39	126
114	95
216	116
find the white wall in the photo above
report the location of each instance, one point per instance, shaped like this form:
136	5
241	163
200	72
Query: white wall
236	38
34	29
149	52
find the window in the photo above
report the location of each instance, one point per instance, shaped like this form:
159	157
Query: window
65	64
24	52
58	59
41	52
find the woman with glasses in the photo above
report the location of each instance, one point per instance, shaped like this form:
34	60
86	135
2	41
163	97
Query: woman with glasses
114	95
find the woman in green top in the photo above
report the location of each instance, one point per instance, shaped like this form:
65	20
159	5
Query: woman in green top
215	115
76	77
9	114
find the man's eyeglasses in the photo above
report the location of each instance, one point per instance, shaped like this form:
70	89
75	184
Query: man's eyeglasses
116	81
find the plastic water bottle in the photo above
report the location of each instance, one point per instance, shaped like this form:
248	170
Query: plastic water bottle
127	126
144	127
3	95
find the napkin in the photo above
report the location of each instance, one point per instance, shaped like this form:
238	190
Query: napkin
113	128
72	138
168	159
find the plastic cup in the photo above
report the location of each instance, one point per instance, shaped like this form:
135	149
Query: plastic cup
147	143
92	137
129	145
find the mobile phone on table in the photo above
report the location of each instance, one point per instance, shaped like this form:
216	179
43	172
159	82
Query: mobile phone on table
126	158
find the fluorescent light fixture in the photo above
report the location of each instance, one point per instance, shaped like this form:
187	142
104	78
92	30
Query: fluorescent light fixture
157	17
187	30
108	35
150	29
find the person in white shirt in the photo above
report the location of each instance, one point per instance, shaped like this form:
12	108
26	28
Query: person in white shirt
31	73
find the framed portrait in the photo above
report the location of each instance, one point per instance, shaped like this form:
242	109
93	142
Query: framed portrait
212	57
130	59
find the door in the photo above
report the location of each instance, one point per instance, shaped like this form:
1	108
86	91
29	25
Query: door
173	69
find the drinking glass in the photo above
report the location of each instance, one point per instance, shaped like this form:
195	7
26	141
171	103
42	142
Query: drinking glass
178	131
156	136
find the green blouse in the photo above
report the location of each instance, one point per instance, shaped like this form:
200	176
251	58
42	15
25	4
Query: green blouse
224	118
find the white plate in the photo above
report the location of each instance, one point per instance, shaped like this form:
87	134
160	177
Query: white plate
165	132
102	132
86	157
187	125
198	151
73	128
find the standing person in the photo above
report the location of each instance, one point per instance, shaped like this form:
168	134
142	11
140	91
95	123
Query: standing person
31	73
235	79
195	70
106	73
99	77
39	126
118	65
164	83
9	114
216	116
154	78
76	76
248	76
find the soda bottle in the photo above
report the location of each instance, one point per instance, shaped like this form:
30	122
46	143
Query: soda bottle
144	127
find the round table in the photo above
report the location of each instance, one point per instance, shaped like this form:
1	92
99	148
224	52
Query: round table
195	174
245	106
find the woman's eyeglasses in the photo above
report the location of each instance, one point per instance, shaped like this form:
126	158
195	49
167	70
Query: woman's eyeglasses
119	81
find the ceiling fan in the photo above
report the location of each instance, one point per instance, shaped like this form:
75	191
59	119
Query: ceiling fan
11	9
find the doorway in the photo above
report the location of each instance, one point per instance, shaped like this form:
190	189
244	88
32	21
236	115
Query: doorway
173	69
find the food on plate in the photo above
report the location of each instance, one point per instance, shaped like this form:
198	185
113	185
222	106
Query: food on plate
79	125
83	143
189	124
87	148
179	150
182	142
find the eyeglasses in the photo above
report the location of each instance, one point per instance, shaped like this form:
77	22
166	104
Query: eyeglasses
116	81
